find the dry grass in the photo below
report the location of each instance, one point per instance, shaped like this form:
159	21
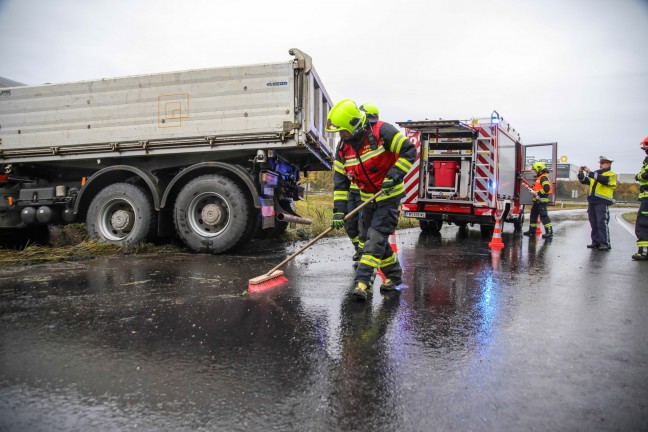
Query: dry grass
69	243
87	248
319	208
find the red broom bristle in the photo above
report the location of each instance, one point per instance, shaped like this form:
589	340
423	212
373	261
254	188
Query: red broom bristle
270	283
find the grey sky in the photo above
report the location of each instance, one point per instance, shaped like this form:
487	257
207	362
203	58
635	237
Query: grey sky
571	71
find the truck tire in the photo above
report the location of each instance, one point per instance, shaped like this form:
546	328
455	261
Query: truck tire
121	214
212	214
432	226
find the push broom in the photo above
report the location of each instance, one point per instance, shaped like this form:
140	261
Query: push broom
276	277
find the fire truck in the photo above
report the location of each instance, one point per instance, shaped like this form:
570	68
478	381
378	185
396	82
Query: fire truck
470	171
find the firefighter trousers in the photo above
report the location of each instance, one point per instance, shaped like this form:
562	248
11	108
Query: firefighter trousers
352	225
539	208
599	216
641	226
379	220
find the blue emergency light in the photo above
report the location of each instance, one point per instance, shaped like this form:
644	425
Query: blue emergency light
495	118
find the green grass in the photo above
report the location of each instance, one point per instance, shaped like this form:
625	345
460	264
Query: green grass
630	217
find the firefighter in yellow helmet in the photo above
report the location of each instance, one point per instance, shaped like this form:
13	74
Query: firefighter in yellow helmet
641	226
543	190
375	156
602	183
353	225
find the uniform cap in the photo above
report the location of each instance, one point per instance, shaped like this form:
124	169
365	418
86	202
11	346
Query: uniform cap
605	159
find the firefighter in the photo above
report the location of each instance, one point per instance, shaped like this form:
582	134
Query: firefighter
353	225
641	226
602	183
375	156
543	189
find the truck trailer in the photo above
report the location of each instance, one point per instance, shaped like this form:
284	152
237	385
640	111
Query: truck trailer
469	172
213	155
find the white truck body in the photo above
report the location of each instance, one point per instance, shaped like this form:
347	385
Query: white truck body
260	125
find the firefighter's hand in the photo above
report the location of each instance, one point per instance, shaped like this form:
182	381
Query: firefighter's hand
388	185
338	221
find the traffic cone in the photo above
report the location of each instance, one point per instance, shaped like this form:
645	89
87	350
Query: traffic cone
392	242
538	229
496	242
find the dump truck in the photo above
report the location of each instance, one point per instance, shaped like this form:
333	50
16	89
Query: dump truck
470	172
214	156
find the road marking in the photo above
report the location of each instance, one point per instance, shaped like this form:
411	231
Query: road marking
625	224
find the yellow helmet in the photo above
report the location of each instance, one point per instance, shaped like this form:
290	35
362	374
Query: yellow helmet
539	166
345	115
370	109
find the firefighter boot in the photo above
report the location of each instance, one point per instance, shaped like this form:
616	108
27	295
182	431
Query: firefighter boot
360	291
640	255
530	232
390	284
548	233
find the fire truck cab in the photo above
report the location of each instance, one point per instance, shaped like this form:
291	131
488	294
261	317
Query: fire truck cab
469	171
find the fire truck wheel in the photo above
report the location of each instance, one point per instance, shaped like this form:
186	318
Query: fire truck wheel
122	214
212	214
432	227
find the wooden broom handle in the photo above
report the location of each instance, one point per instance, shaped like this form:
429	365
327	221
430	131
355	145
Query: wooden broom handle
326	231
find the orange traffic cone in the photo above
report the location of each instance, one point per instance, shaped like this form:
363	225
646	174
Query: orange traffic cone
392	242
496	242
538	229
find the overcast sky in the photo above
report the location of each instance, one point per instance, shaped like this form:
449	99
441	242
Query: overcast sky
571	71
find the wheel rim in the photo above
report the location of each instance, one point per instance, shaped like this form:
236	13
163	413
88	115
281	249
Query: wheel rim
208	214
116	219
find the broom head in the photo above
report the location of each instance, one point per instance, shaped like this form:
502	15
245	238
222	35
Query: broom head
266	281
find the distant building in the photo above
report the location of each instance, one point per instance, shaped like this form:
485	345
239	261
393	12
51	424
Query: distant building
567	172
626	178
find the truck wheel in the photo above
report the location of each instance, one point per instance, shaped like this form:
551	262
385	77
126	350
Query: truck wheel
212	214
433	227
121	214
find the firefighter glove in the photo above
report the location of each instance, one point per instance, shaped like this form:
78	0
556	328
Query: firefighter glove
338	221
388	185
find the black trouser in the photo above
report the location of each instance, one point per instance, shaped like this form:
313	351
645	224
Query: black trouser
599	216
641	226
352	224
539	208
379	220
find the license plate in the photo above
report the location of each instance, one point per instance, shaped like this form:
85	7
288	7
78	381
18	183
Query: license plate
418	215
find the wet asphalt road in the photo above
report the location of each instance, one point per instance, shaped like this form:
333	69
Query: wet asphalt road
546	336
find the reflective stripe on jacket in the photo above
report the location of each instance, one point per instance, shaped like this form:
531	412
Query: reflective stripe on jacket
642	178
602	185
542	187
392	155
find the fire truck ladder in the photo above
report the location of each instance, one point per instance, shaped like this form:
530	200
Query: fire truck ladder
484	191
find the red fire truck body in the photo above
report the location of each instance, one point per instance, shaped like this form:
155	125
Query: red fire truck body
469	170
